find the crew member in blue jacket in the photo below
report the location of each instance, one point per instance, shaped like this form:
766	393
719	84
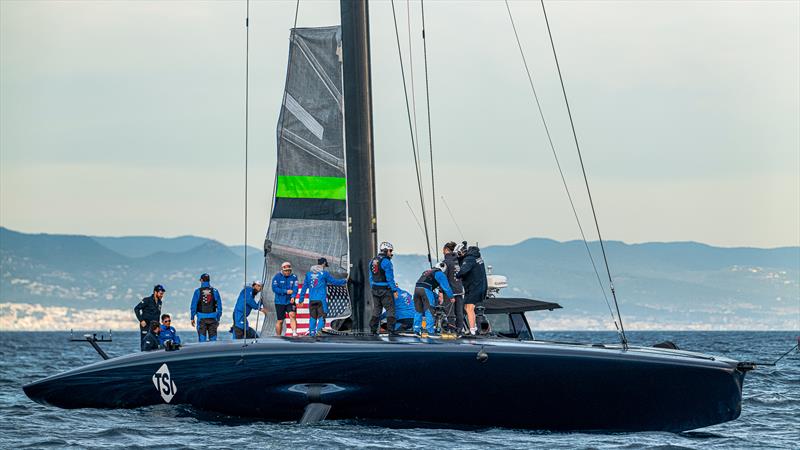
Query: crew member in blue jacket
425	299
244	305
384	289
168	332
316	284
284	285
207	306
404	310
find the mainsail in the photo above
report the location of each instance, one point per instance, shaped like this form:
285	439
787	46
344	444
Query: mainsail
309	211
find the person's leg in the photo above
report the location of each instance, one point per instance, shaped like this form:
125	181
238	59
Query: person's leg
237	332
321	321
470	307
201	330
377	296
293	322
143	333
389	307
313	312
459	307
212	329
420	299
429	321
280	314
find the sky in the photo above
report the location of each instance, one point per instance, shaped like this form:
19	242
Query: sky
127	118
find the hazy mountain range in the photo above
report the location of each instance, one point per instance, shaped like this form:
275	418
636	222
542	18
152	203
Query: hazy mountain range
66	281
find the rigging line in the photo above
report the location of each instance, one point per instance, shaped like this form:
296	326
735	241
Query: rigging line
413	143
453	218
558	165
415	217
430	132
246	142
296	11
411	71
585	178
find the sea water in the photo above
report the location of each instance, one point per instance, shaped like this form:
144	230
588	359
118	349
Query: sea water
770	410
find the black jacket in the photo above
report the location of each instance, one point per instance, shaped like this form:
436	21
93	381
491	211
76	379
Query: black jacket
451	260
150	342
148	310
473	275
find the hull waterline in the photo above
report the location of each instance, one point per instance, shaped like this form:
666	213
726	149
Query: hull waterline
531	385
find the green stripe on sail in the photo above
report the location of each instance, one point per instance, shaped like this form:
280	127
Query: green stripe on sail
334	188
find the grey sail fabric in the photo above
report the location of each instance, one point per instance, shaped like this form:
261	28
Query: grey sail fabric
309	213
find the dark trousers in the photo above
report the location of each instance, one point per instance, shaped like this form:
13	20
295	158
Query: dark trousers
238	333
315	310
459	310
382	298
404	324
207	327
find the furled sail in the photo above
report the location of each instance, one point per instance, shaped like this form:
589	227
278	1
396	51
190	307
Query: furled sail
309	212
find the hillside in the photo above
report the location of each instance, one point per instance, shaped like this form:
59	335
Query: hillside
659	285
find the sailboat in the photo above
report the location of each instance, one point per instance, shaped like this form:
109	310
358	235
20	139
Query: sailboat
325	205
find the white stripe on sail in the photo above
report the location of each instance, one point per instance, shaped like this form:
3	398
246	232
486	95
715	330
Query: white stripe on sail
303	116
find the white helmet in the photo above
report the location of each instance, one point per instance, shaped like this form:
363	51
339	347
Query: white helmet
441	266
385	246
461	248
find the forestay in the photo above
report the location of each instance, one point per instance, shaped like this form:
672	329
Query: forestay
309	212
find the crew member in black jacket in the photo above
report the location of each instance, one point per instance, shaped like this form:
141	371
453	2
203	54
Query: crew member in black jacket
473	275
149	311
451	261
150	341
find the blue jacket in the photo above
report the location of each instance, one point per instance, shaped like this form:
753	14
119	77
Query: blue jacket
196	298
403	305
316	283
281	284
168	334
250	295
388	268
443	286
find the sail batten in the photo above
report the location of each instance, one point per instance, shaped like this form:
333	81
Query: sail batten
309	213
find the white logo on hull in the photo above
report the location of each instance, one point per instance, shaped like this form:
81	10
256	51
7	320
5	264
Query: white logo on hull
164	384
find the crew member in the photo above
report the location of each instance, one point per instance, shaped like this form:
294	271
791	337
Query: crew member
284	285
150	341
384	289
207	306
167	331
244	305
316	284
148	311
404	310
473	275
425	299
451	260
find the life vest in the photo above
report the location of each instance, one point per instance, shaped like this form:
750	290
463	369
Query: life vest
207	303
378	274
428	279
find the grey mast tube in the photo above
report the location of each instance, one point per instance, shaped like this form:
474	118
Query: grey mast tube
359	155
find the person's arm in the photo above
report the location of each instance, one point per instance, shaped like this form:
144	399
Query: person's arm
175	338
219	304
302	295
443	283
275	288
334	281
193	310
465	268
388	268
251	302
138	310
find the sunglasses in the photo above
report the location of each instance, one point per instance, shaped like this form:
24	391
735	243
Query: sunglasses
167	321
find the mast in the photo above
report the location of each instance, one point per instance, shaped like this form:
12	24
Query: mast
359	155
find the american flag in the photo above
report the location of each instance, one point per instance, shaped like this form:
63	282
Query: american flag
338	308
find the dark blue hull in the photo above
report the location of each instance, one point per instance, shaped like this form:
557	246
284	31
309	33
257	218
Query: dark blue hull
533	385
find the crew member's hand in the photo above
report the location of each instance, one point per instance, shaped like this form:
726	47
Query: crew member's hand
290	292
264	309
193	322
143	323
452	300
395	295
